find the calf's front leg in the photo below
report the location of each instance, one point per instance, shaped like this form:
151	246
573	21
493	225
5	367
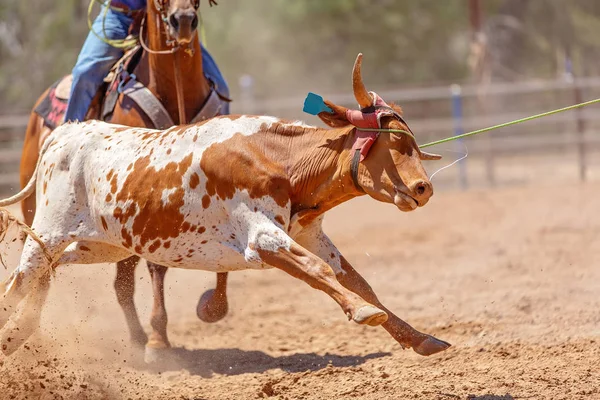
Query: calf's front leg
314	239
302	264
405	334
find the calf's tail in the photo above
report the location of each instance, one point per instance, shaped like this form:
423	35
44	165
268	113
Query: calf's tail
30	187
7	219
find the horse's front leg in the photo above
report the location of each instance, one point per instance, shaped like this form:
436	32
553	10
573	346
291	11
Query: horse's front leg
158	341
125	289
212	306
315	240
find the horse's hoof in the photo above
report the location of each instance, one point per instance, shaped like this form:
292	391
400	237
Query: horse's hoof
153	355
370	315
138	340
212	307
431	346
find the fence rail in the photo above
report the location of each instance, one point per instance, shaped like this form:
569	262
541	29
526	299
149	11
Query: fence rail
438	112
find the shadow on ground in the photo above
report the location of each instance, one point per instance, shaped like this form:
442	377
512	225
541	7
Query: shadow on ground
235	361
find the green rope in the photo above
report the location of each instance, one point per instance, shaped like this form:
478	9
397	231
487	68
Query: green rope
491	128
518	121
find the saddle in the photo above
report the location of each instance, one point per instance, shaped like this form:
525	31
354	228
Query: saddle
120	80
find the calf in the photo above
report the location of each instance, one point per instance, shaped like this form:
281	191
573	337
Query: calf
231	193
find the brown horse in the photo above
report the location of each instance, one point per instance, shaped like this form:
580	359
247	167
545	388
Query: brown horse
172	53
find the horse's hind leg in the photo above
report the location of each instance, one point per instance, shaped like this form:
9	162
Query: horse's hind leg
125	288
212	305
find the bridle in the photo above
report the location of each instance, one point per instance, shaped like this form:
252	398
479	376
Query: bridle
162	17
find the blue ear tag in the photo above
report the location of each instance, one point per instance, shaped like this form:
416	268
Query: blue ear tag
314	104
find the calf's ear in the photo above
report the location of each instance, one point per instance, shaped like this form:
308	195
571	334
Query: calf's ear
335	119
429	156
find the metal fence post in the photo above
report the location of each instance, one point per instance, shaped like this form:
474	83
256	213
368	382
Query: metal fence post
457	115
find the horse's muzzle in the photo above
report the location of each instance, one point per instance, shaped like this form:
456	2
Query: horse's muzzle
183	24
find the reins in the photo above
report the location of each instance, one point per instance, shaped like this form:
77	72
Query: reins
179	88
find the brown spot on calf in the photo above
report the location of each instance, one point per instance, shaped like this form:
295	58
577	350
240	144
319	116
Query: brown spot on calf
205	201
194	182
226	166
144	186
154	246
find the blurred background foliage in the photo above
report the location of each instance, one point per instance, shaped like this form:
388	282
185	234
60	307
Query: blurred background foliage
292	46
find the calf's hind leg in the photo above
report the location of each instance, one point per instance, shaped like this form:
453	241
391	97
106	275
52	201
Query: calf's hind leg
27	320
30	281
302	264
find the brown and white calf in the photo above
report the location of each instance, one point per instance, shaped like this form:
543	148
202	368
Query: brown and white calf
231	193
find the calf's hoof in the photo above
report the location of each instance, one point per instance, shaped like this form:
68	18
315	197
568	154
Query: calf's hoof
430	345
13	338
370	315
212	307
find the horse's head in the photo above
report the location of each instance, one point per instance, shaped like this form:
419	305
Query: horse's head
181	18
386	165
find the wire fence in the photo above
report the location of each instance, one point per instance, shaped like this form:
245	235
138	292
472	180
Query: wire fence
559	148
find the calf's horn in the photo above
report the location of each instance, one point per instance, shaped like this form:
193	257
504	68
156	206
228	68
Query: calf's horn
363	97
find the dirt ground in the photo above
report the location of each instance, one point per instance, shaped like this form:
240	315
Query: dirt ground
511	277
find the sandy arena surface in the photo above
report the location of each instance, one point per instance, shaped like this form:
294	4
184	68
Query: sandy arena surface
511	277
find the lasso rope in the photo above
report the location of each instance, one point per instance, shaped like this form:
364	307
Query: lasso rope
118	43
133	41
515	122
7	220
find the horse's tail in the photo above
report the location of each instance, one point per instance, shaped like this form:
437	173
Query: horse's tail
30	187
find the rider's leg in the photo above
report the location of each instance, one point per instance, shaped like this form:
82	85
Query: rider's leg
211	70
94	61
